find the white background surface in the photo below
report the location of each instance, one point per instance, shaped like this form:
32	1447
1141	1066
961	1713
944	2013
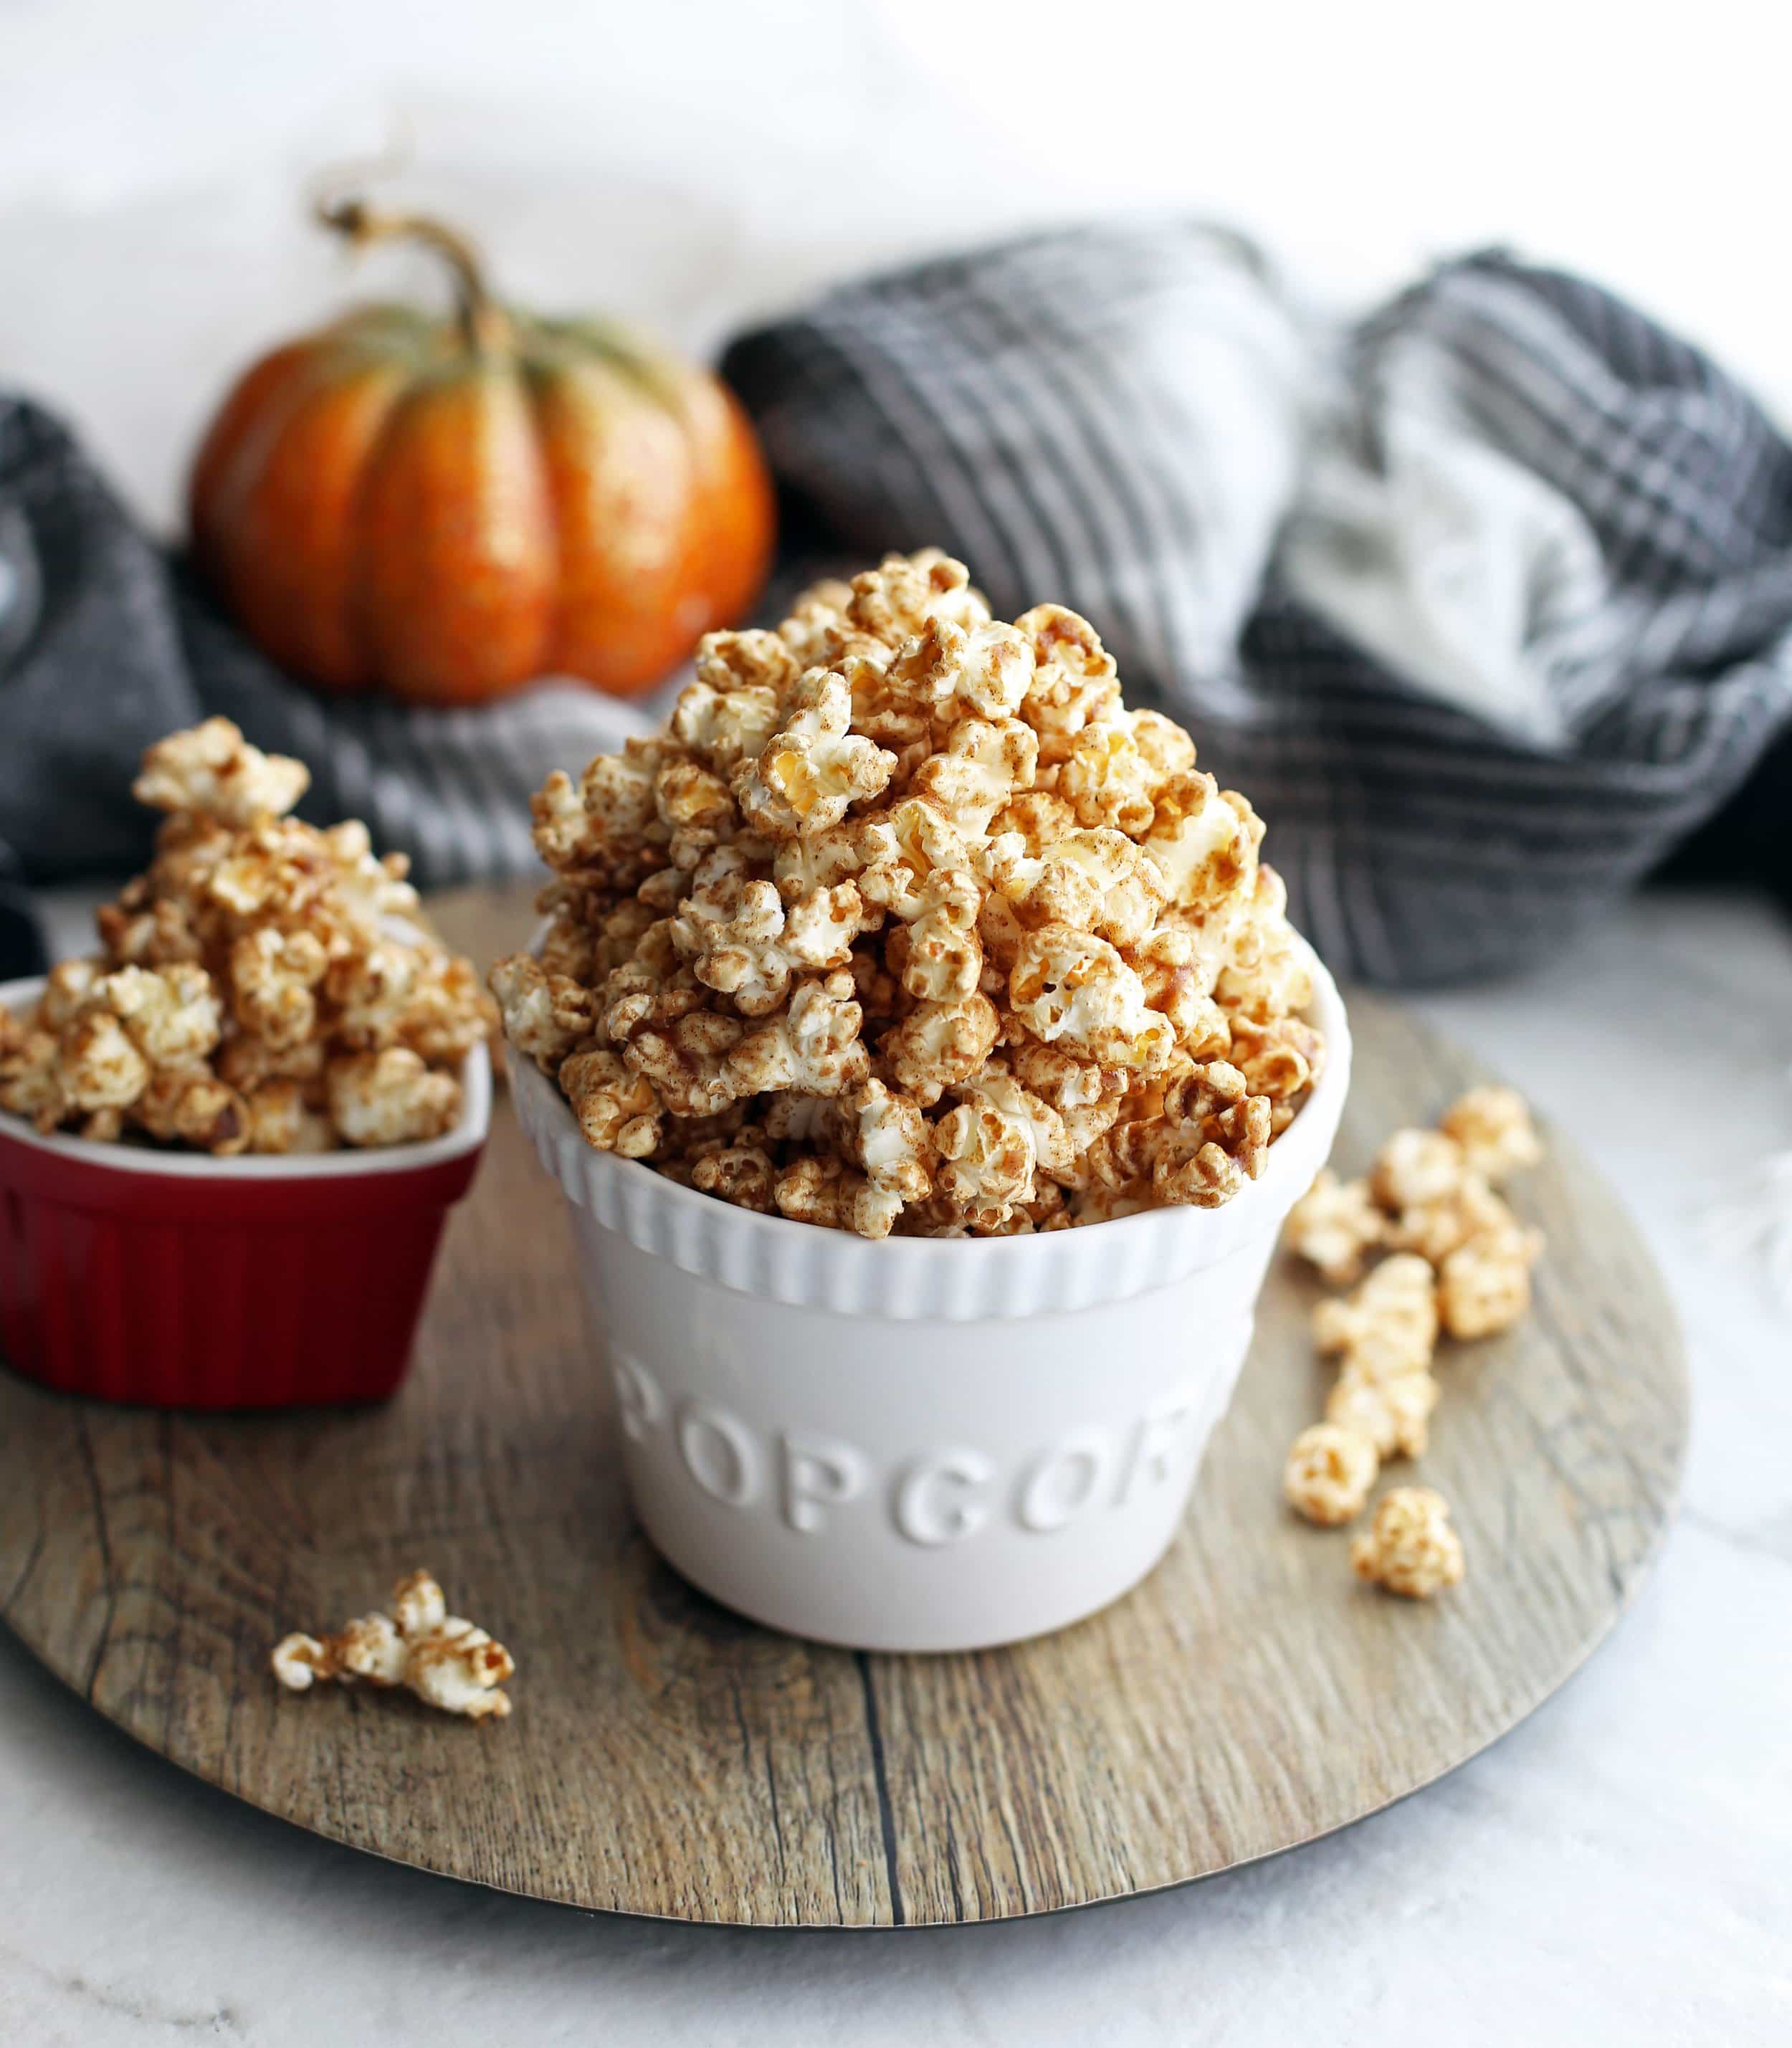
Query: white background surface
1620	1868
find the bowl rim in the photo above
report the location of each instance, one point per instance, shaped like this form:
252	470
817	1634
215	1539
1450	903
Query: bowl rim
1185	1224
468	1134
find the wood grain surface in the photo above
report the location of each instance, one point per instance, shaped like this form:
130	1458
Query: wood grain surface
666	1758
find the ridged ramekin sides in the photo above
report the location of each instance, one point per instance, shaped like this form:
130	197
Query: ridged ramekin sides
953	1280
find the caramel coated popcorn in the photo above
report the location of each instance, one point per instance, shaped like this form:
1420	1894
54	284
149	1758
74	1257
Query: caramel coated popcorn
906	923
1334	1224
1431	1198
1484	1286
1458	1265
264	986
445	1660
1492	1125
1331	1469
1388	1325
1410	1547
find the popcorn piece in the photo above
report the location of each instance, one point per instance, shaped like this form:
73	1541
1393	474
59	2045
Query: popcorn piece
813	1046
1334	1224
278	1120
213	769
98	1067
945	674
460	1669
1087	1098
1204	841
822	1189
1434	1229
741	940
884	1135
991	1145
743	1173
299	1661
1095	881
445	1660
1484	1286
725	730
189	1105
1493	1126
1281	1059
274	976
1071	987
1394	1414
687	1058
545	1015
1389	1326
1176	970
1196	1141
939	1044
619	1111
67	988
609	824
370	1648
941	958
1115	765
1416	1166
1074	683
390	1098
418	1605
1409	1547
447	1013
985	762
1265	974
738	664
894	602
812	772
820	635
1329	1473
30	1079
246	1062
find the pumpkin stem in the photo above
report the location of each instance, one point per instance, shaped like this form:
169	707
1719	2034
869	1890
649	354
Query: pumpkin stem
483	323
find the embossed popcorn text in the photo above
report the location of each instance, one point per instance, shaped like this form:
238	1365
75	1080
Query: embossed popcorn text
931	1496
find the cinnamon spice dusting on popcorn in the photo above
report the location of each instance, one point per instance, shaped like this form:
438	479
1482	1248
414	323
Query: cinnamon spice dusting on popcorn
264	986
1410	1547
925	872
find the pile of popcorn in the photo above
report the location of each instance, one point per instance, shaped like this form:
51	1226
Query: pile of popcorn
1459	1264
265	986
446	1661
907	923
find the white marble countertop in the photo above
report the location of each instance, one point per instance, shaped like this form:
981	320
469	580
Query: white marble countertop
1617	1869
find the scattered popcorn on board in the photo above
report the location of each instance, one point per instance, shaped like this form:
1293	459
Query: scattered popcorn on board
1453	1261
907	924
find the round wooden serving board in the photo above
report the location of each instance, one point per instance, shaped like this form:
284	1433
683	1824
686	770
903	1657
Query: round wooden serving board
666	1758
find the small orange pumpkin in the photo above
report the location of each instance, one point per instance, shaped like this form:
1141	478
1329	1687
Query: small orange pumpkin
447	509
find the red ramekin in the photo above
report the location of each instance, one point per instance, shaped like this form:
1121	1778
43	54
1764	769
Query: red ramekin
179	1280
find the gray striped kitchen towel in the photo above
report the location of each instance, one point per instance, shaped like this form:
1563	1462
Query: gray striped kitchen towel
1485	604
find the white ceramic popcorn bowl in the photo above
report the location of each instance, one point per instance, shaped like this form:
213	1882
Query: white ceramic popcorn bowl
919	1445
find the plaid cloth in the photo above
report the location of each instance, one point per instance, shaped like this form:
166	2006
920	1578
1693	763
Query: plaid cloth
1485	610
